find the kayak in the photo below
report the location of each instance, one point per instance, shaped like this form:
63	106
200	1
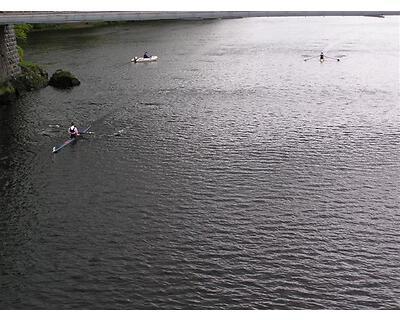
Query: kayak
141	59
69	141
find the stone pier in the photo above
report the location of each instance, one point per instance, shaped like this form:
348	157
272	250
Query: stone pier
9	58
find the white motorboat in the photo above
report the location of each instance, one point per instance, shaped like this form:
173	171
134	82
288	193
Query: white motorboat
141	59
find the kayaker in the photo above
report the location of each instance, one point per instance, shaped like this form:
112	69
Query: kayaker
146	55
73	131
321	56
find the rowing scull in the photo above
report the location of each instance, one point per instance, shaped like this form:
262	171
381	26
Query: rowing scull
56	149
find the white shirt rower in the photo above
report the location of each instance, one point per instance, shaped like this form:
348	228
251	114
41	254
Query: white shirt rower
73	131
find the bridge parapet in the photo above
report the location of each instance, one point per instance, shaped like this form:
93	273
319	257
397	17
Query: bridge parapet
12	17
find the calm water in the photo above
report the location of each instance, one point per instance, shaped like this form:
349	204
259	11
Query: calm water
229	174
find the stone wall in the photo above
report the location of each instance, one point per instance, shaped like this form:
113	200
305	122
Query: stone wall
8	53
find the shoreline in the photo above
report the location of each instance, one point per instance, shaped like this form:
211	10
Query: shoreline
74	26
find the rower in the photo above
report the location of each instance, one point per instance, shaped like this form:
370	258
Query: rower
321	56
146	55
73	131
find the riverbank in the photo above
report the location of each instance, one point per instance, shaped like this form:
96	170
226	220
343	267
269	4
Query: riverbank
74	26
32	77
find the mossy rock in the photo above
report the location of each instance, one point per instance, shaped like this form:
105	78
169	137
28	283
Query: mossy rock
7	93
63	79
32	77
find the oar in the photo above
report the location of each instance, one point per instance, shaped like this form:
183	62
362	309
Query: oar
337	59
310	58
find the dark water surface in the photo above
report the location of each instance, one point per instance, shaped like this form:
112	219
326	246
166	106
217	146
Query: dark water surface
229	174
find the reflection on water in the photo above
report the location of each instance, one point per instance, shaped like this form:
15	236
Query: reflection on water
229	174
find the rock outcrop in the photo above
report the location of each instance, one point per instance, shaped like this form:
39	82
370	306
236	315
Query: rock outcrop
7	93
63	80
32	77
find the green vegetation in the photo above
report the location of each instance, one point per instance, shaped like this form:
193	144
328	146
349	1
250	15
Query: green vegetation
21	33
20	53
6	88
32	77
78	25
22	30
7	93
26	65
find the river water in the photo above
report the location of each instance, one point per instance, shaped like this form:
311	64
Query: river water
229	174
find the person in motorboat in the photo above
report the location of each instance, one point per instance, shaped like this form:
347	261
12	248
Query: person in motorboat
73	131
321	56
146	55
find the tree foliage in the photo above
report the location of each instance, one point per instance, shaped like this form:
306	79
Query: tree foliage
20	53
21	31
